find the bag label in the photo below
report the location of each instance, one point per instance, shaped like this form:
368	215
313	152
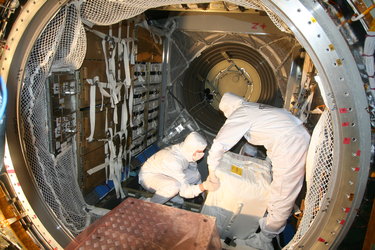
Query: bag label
236	170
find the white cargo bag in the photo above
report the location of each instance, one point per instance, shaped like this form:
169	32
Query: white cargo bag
242	198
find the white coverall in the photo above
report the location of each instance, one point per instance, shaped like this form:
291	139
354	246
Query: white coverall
286	141
173	170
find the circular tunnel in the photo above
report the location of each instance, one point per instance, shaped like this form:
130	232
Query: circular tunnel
225	67
311	26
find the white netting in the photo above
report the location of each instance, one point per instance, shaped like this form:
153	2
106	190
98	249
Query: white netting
319	171
55	176
72	47
108	12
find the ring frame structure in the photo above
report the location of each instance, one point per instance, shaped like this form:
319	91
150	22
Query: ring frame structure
341	84
206	63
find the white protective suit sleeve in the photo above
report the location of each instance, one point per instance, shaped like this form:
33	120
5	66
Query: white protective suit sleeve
230	133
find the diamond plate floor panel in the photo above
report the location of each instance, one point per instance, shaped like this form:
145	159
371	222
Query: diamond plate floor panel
136	224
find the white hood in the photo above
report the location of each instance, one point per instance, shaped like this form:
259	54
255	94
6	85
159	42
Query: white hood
193	142
229	103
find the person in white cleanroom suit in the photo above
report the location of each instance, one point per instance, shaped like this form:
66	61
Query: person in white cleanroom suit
286	141
173	170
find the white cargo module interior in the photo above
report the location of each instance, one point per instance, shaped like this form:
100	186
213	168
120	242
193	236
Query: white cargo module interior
95	87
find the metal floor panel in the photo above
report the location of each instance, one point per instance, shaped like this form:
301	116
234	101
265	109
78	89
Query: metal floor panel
136	224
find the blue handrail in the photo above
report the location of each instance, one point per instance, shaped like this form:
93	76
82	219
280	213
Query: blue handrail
4	100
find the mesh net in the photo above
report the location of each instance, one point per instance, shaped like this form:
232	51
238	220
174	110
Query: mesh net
111	11
55	176
62	44
72	46
319	169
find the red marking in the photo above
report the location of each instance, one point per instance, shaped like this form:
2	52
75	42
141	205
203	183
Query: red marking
263	26
346	140
255	26
356	169
346	209
358	153
344	110
321	239
342	222
345	124
11	171
34	216
18	184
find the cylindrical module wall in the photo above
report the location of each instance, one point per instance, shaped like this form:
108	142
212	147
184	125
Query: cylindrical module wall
341	86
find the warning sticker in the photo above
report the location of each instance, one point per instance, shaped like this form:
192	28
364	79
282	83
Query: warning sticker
236	170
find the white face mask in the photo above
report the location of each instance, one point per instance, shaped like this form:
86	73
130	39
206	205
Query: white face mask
197	156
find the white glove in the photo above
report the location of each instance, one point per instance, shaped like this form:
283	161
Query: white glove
211	186
260	240
212	177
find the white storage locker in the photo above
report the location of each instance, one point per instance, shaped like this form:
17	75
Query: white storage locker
242	197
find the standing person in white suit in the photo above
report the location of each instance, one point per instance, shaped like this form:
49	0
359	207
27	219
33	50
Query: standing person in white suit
174	170
286	141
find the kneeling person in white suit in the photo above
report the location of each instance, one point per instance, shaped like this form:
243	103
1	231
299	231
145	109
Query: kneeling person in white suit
286	141
173	170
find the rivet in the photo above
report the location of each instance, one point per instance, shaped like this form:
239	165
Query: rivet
350	196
